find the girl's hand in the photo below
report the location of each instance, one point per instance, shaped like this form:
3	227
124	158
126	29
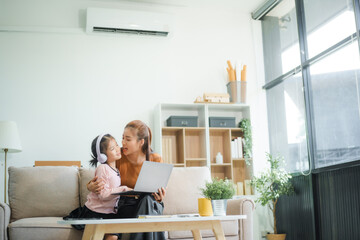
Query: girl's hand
96	185
127	189
159	196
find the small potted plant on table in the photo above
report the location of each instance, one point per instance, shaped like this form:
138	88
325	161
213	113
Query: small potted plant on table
219	191
270	185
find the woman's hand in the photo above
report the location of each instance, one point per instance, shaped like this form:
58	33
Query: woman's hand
159	196
96	185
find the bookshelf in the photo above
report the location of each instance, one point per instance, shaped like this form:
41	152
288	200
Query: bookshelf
198	146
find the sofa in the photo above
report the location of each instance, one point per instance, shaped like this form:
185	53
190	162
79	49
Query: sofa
41	196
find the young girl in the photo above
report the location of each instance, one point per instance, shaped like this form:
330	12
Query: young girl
136	148
106	151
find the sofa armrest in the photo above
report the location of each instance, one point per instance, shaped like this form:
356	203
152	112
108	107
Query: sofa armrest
4	220
242	207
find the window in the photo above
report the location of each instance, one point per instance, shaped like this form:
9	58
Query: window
329	67
336	22
335	93
287	123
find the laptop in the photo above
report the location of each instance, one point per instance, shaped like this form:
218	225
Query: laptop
152	176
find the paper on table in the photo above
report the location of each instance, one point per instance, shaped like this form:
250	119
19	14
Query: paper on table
169	216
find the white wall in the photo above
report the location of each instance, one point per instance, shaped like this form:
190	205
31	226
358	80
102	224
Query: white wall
65	88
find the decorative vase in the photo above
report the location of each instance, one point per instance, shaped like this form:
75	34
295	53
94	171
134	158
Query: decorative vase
275	236
219	158
219	207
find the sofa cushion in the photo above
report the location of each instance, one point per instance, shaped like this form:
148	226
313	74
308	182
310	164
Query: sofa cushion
230	228
42	228
85	176
4	220
183	189
43	191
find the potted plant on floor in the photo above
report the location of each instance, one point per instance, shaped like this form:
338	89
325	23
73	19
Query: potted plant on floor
219	191
270	185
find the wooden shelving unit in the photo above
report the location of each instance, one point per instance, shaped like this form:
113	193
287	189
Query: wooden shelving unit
198	146
173	138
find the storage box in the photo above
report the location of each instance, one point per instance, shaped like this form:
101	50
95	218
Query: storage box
226	122
182	121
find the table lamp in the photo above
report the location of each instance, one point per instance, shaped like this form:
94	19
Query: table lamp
9	142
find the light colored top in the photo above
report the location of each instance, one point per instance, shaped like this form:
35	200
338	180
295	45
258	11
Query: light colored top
104	202
130	172
173	218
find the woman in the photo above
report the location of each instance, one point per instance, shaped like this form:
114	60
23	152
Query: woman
135	150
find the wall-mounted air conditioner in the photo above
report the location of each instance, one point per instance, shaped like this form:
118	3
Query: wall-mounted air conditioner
126	21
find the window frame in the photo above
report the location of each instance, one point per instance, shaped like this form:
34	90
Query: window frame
305	64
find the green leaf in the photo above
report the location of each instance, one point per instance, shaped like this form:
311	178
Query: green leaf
273	183
247	135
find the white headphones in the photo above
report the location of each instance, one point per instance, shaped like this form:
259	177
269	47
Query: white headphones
102	158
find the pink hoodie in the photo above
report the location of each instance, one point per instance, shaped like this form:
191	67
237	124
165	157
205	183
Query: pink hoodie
104	202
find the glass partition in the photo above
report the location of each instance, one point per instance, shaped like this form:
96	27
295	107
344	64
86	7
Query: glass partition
336	105
287	123
327	23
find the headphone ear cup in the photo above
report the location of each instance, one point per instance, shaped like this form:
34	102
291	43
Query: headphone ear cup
103	157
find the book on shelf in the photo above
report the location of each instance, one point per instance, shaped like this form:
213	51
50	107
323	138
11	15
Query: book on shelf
247	184
243	144
240	147
237	148
167	150
240	188
234	151
164	151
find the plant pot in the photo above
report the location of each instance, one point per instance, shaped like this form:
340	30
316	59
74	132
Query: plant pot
205	208
275	236
219	207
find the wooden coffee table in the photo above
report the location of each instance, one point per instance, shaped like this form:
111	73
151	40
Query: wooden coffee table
95	229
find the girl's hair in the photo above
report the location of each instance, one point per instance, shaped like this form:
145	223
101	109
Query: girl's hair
142	132
104	143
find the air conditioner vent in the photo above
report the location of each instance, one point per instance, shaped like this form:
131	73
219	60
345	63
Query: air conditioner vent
129	31
126	21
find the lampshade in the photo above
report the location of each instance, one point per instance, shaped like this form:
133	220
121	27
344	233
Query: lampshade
9	137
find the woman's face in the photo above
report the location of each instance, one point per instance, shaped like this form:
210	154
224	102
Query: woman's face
130	143
113	152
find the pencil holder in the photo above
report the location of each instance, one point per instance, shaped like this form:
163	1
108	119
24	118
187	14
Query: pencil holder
237	91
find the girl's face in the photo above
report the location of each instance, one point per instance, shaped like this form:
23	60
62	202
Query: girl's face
130	143
113	152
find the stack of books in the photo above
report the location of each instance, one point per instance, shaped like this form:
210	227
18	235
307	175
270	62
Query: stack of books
237	148
167	150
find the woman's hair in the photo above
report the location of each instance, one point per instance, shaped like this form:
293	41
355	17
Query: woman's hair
104	143
142	132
